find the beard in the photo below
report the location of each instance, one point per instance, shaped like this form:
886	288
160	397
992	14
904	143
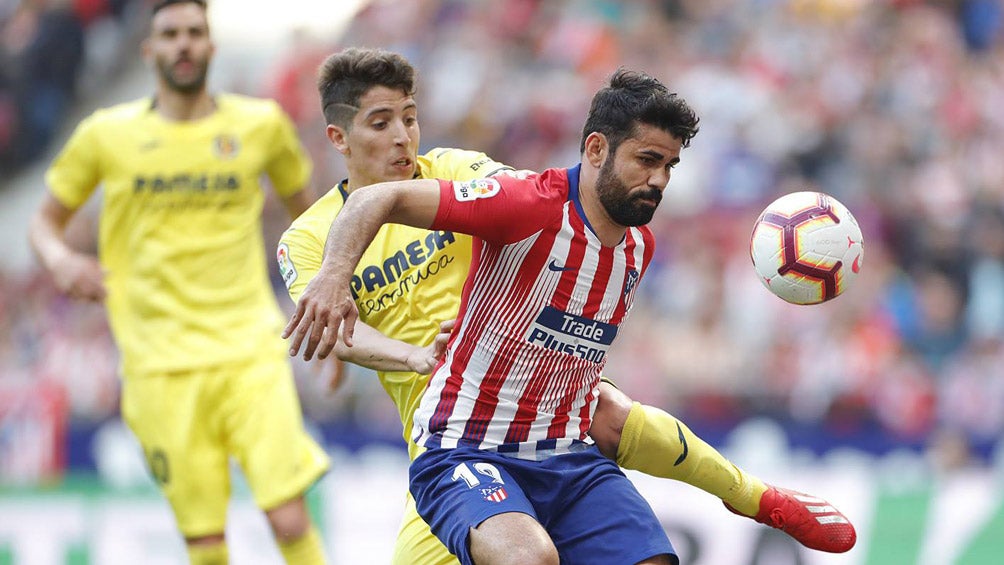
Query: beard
191	85
623	207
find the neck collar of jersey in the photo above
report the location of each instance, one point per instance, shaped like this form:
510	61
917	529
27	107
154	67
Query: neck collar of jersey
153	104
341	189
573	193
574	196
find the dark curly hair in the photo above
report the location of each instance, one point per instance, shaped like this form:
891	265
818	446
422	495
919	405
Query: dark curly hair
631	98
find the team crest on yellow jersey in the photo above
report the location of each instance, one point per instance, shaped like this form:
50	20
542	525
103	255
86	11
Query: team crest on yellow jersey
226	146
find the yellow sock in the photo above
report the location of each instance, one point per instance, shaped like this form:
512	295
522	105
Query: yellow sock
208	554
658	444
306	550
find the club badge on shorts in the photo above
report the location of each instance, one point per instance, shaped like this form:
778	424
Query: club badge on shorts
494	493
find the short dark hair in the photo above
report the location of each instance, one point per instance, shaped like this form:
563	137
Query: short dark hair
161	4
344	77
634	97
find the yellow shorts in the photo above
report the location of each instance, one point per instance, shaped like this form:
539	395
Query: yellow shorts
416	543
190	424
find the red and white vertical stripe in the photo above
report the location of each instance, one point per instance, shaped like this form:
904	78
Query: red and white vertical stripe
497	389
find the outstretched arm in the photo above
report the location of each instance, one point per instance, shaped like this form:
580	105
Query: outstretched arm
326	306
378	352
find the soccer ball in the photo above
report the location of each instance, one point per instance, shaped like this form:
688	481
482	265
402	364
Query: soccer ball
806	247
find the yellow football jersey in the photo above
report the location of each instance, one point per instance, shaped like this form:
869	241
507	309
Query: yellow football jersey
408	280
180	234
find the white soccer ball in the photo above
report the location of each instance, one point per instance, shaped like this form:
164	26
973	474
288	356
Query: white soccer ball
806	247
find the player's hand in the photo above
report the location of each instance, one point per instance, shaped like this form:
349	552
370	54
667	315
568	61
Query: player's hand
520	174
424	360
325	307
81	277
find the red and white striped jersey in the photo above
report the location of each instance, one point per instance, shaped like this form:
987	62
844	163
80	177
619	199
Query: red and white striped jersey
541	306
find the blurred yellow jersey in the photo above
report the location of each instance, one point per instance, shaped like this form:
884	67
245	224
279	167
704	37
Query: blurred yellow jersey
408	280
180	234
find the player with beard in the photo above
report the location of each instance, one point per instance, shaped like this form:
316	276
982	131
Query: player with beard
556	261
409	278
508	474
183	275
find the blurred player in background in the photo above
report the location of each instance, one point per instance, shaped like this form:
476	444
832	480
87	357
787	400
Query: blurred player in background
409	279
182	271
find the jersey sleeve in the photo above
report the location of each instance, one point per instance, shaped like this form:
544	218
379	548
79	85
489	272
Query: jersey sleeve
289	167
299	257
301	247
76	170
461	164
500	209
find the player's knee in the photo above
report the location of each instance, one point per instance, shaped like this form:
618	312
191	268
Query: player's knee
612	411
290	521
512	539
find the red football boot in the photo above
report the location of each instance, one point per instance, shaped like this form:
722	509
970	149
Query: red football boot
812	521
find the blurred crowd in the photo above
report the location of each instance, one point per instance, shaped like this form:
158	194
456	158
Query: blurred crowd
44	45
895	107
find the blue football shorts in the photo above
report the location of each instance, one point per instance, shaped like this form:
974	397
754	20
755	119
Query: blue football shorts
592	512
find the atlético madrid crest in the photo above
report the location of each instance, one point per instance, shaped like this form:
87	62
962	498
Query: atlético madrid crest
630	283
494	493
225	146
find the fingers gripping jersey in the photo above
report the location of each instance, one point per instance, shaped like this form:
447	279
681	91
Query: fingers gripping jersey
180	235
407	281
540	309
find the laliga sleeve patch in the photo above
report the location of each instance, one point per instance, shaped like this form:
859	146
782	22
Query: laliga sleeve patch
286	268
465	191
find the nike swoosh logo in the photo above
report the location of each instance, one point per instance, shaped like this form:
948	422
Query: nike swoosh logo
553	265
856	265
683	440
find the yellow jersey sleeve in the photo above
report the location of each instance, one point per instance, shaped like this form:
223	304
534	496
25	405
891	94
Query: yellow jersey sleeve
301	247
76	171
289	167
458	164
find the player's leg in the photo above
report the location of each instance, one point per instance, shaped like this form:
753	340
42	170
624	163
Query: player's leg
208	550
415	542
647	439
280	460
298	539
477	509
594	514
512	538
185	455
